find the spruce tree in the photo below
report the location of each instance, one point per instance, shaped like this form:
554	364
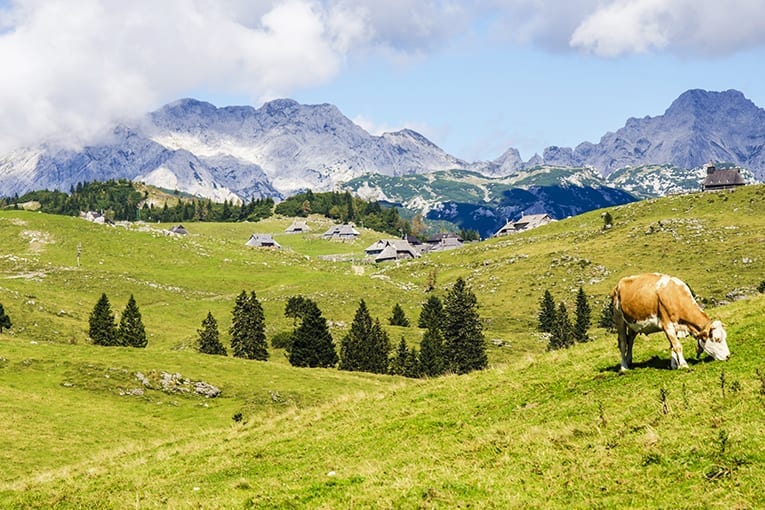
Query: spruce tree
398	361
378	351
562	334
102	329
432	313
366	346
606	319
464	343
352	348
5	320
209	337
312	344
398	317
412	364
547	313
583	312
131	332
248	328
431	353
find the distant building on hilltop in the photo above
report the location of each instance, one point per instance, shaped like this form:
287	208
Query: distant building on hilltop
262	241
392	249
298	227
721	178
341	232
526	222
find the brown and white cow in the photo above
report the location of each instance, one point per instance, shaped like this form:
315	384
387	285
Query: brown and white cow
652	302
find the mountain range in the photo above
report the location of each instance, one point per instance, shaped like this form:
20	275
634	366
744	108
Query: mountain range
240	152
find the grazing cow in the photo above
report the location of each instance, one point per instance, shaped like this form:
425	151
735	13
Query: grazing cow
652	302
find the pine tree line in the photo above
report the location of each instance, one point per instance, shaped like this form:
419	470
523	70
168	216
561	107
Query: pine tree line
556	323
104	330
452	343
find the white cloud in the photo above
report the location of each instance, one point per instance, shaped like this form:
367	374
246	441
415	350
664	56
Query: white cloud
78	66
698	27
613	27
72	68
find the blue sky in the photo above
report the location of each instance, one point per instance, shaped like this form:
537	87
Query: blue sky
475	77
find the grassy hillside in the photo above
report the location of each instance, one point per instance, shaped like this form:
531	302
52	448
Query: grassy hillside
538	429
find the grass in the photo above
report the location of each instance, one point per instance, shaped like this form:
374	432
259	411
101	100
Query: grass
537	430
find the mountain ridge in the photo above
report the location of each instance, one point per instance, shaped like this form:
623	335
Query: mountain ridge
243	152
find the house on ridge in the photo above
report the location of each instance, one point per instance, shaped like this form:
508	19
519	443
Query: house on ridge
178	230
392	249
346	231
443	241
527	222
298	227
721	178
262	241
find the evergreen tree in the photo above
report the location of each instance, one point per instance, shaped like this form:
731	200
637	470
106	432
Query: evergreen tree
412	364
366	346
464	343
432	313
102	329
431	353
295	308
562	334
312	344
398	318
209	338
607	316
131	332
583	312
398	361
5	320
352	346
547	313
248	328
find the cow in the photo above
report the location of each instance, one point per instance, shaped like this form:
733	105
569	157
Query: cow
652	302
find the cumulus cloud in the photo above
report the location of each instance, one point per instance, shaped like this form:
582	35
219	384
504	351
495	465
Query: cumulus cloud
72	68
686	26
610	28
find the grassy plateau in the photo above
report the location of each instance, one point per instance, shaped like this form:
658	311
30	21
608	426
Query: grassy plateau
538	429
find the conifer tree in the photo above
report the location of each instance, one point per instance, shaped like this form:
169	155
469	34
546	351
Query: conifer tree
562	334
398	361
5	320
131	332
412	364
209	337
432	313
583	312
431	353
547	313
352	348
248	328
102	329
366	346
398	317
464	343
606	319
312	344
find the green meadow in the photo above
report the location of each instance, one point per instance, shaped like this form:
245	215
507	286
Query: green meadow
538	429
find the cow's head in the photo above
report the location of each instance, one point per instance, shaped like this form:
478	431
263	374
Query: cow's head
713	341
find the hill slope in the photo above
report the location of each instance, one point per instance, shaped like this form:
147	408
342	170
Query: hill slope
538	429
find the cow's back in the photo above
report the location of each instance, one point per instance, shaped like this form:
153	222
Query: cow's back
636	297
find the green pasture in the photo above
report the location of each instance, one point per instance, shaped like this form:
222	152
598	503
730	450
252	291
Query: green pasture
538	429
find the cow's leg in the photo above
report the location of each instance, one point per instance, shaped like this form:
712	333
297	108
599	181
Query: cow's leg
630	342
675	346
624	349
